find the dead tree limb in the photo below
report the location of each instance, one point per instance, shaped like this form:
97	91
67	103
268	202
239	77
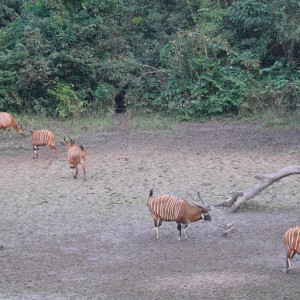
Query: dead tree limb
229	228
228	202
264	181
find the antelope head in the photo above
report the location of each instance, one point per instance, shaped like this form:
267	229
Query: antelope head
69	143
20	128
203	209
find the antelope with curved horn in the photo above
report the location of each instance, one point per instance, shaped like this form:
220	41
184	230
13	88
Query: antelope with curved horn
76	156
169	208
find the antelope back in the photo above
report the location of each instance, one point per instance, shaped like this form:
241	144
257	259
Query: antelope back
6	120
291	239
75	154
42	137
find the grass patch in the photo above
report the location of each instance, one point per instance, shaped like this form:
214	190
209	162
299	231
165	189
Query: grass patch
152	122
275	119
148	122
71	126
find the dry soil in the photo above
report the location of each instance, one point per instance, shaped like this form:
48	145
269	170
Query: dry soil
62	238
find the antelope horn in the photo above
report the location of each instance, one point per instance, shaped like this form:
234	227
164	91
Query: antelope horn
70	139
64	138
198	205
204	203
193	201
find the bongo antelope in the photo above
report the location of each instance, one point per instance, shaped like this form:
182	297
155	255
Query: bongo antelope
169	208
42	138
291	240
76	156
7	121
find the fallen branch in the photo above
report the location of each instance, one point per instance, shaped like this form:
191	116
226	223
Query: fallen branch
228	202
264	181
230	227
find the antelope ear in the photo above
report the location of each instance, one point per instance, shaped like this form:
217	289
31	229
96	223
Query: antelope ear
63	143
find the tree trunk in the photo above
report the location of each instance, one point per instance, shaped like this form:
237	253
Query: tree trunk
264	181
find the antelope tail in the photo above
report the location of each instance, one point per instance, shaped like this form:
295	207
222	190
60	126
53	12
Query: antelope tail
150	195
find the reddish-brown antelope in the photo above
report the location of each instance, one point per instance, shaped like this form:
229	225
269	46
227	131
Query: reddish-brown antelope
291	240
7	121
168	208
76	156
42	138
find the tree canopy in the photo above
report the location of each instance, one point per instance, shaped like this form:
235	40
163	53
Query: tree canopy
187	58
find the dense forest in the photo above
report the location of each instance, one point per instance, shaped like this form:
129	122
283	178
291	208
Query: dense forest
189	58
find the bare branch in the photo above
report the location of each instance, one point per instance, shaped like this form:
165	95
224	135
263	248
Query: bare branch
264	181
230	228
144	66
145	74
228	202
153	68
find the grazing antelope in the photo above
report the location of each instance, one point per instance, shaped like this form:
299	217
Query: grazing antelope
7	121
42	138
168	208
76	156
291	240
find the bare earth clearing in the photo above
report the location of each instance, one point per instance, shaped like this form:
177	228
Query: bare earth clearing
62	238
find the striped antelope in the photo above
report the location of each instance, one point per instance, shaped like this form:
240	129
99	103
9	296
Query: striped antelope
7	121
42	138
291	240
168	208
76	156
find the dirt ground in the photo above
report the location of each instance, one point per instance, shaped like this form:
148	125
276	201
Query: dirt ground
62	238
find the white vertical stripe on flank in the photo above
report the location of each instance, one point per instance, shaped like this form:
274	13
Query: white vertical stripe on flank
297	241
292	239
165	207
169	210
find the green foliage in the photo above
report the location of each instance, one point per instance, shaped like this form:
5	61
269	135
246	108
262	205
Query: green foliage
9	11
188	58
151	122
69	104
104	96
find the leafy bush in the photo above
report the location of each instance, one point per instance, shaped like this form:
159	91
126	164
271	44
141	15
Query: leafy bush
187	58
68	103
